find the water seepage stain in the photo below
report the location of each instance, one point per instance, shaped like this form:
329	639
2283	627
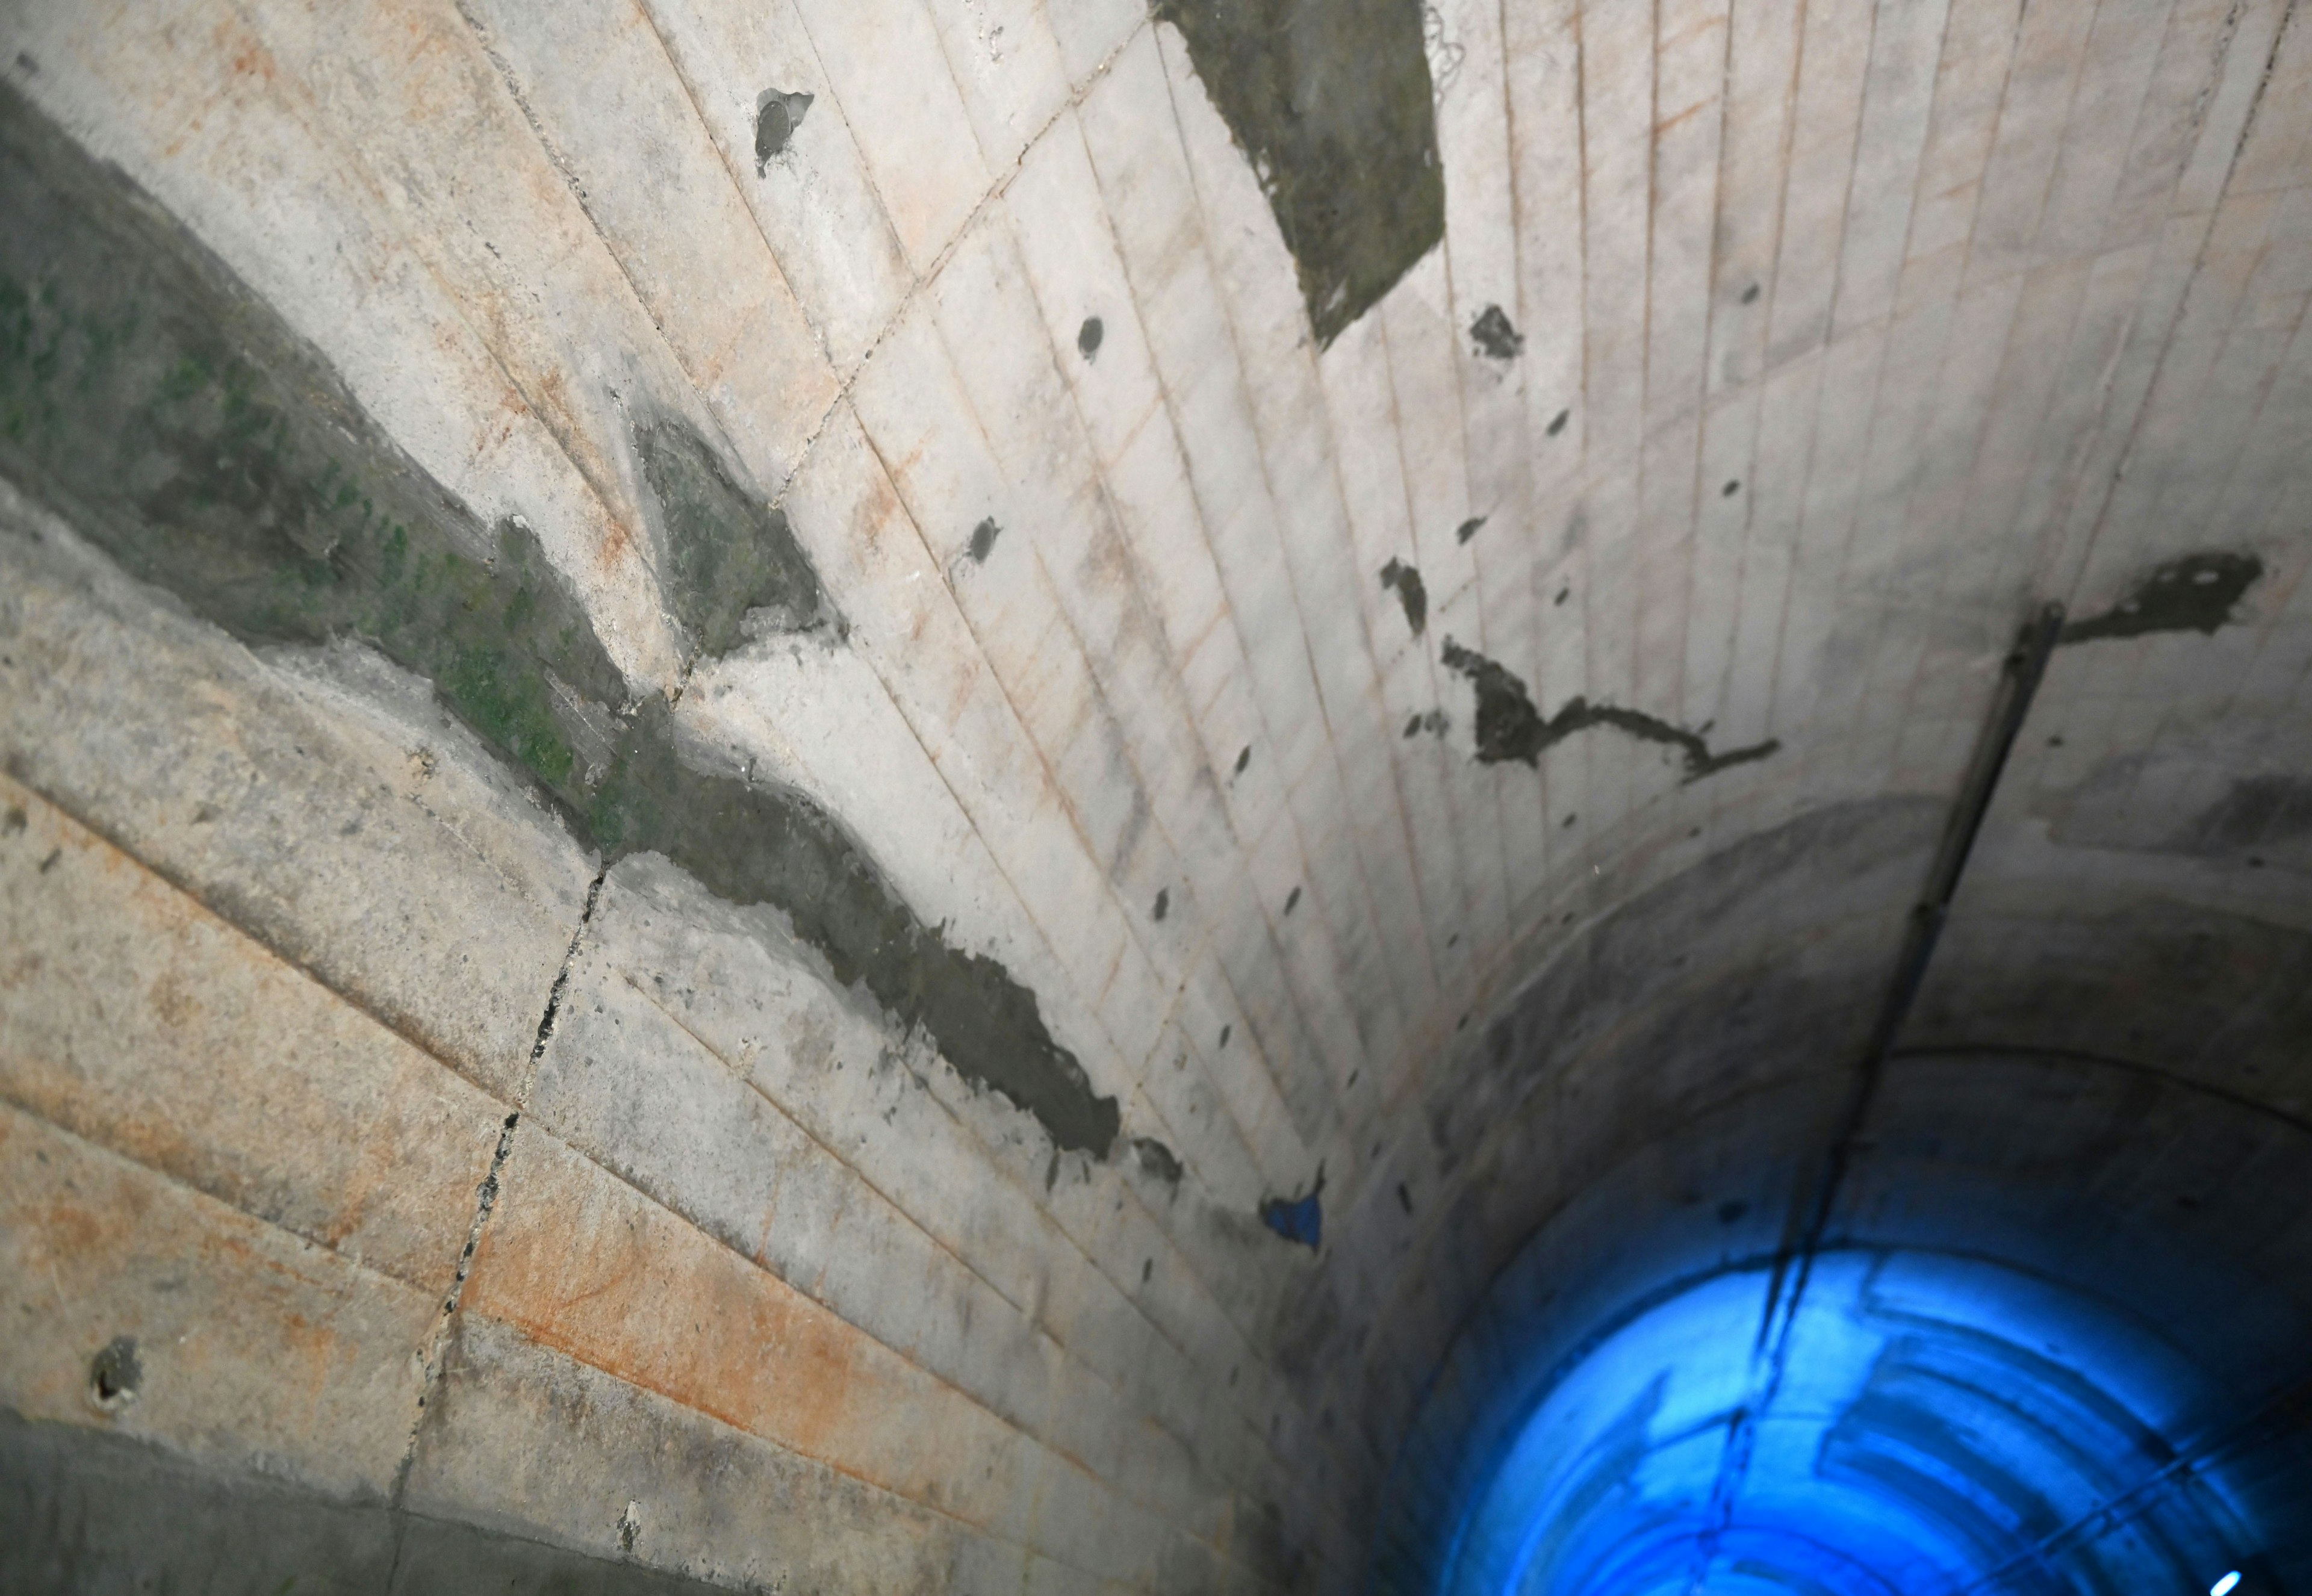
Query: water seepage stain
1330	101
1299	1218
186	431
1509	726
1493	337
2194	594
1410	592
776	116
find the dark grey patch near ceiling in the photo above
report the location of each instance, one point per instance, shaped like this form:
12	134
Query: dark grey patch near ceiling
2254	812
983	540
188	431
1410	592
2195	593
729	559
1467	529
776	116
1088	337
1509	726
1331	102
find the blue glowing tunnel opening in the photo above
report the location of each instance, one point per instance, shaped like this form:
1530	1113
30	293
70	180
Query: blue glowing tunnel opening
1936	1426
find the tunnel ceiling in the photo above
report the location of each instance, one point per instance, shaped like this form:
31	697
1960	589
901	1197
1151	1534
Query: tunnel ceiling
1361	619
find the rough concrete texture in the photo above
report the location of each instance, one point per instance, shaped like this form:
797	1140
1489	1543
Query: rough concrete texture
717	860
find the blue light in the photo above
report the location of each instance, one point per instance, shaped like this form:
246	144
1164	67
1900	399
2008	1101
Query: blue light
1941	1426
2223	1587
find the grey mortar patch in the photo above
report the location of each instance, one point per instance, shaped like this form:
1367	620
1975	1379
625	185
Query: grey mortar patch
1509	726
983	540
2194	594
193	436
1433	720
1493	336
1467	529
727	555
776	116
1410	592
1331	102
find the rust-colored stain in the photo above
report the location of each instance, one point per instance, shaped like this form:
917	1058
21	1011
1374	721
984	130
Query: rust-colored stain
595	1270
156	1027
585	1265
245	53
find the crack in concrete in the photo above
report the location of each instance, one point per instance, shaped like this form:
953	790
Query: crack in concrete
492	1187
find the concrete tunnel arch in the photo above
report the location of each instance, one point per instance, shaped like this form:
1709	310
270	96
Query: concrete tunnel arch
1003	794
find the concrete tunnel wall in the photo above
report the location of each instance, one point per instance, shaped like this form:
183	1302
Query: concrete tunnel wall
743	745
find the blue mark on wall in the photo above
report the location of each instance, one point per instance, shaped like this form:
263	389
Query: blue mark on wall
1298	1219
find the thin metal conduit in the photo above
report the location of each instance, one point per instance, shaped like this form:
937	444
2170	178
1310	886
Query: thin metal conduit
2026	666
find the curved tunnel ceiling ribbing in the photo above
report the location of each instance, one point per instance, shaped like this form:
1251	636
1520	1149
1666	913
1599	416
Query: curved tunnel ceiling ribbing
1431	717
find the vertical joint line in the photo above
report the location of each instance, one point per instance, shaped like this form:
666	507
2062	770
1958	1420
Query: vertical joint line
486	1195
2026	668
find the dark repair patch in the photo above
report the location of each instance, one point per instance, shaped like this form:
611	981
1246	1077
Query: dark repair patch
2195	593
1509	726
1158	1159
1493	336
776	116
983	540
1331	102
725	554
1410	592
